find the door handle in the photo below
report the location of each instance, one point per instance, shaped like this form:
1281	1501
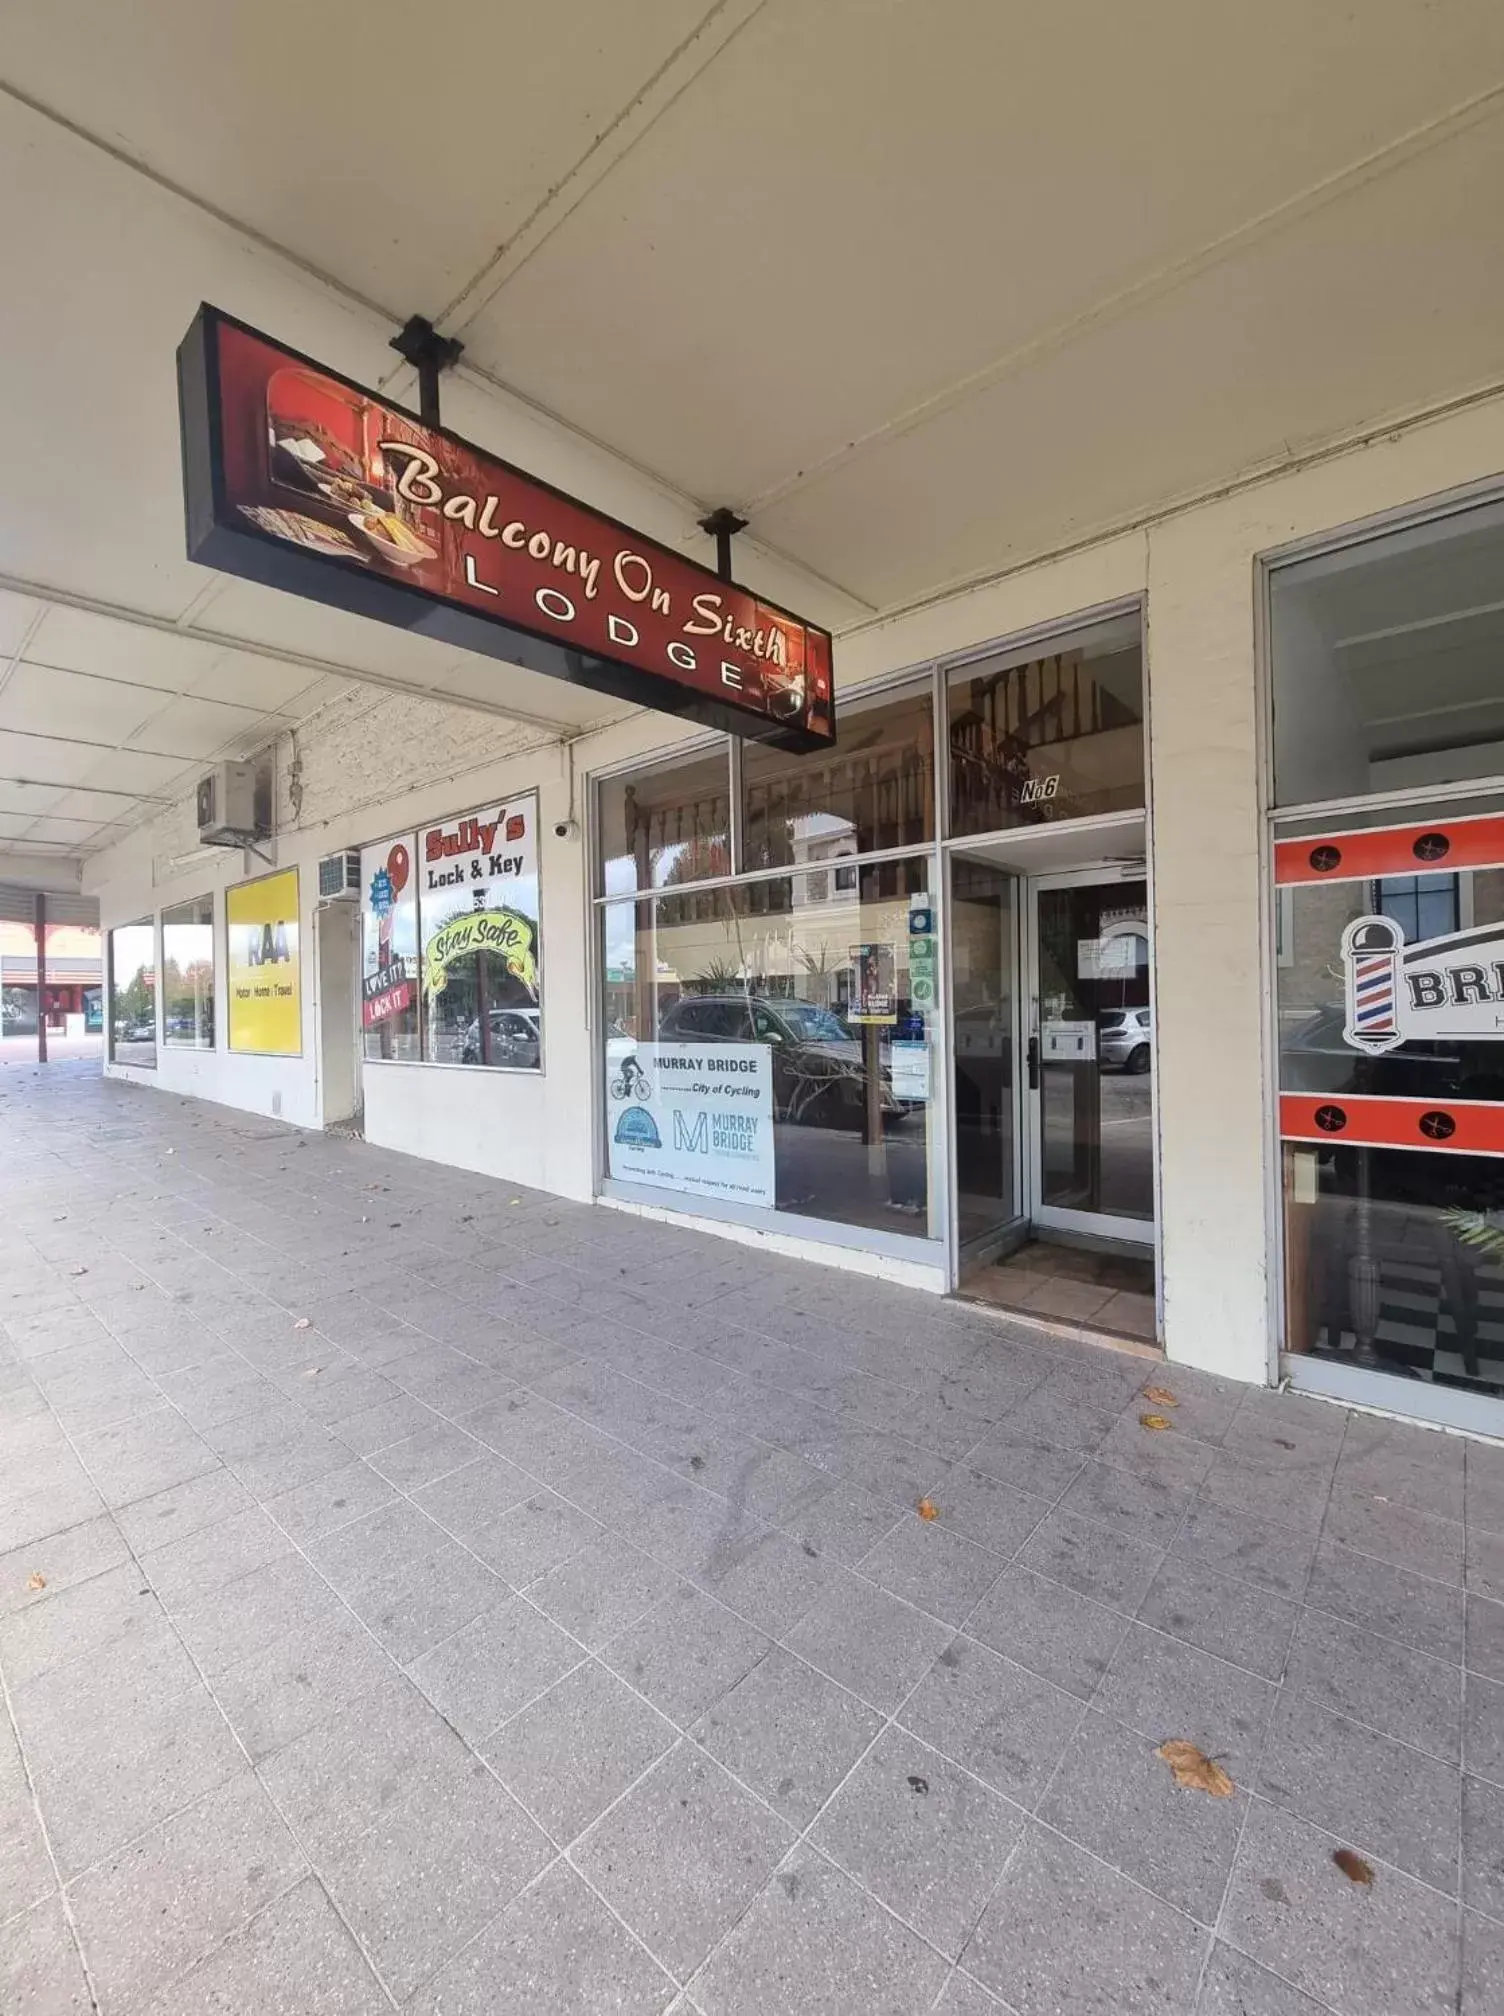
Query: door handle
1031	1057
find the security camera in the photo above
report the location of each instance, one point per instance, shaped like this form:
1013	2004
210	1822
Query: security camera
566	829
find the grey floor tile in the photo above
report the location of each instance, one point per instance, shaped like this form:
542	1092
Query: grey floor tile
964	1997
195	1566
1216	1613
925	1837
682	1856
1482	1988
1388	1800
282	1690
26	1871
603	1589
1108	1567
75	1555
181	1509
868	1642
534	1537
1234	1986
1355	1948
1246	1481
1113	1796
568	1754
1485	1637
138	1458
166	1901
995	1719
406	1579
765	1575
843	1523
1485	1564
339	1777
685	1653
1064	1637
788	1733
1483	1846
1391	1687
255	1611
1134	1504
555	1948
931	1567
98	1793
433	1871
1063	1932
1172	1455
427	1455
333	1499
814	1941
1379	1597
1483	1726
981	1507
40	1970
275	1449
1166	1689
382	1424
1026	1463
71	1623
1371	1522
495	1666
1411	1466
295	1958
1261	1551
469	1501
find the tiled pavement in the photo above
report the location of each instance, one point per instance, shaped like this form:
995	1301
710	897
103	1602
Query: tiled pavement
463	1601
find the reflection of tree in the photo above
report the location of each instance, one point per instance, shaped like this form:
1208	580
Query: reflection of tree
134	1001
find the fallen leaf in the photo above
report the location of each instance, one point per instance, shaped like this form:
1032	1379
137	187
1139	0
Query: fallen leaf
36	1581
1157	1422
1353	1867
927	1509
1161	1396
1193	1769
303	1323
919	1785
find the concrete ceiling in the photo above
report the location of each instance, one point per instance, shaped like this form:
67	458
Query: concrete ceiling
923	287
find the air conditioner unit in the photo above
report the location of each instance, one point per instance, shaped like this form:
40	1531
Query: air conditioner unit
339	877
234	804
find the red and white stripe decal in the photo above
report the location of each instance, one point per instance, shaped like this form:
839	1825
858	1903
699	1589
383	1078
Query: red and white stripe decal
1360	1120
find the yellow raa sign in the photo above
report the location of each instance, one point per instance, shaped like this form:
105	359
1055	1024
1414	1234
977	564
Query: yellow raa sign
266	994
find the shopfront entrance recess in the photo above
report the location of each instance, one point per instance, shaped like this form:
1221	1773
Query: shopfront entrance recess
1054	1078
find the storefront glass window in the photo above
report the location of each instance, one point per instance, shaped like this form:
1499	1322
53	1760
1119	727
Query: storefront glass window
188	975
133	994
451	946
1391	1052
1059	735
667	825
1385	662
773	1045
389	977
874	792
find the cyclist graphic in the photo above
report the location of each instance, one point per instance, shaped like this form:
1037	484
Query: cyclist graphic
631	1081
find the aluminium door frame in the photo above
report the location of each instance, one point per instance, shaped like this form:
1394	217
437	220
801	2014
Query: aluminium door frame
1138	1232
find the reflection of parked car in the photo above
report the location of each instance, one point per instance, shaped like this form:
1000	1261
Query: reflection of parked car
1126	1038
516	1039
1315	1057
818	1073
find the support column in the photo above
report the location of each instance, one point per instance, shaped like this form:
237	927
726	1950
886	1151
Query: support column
39	914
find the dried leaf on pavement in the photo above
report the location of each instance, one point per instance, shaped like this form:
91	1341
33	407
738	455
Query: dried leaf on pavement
1157	1422
1193	1769
927	1509
1161	1396
36	1581
1353	1867
303	1323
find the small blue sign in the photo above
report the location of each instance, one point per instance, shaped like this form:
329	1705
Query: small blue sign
637	1129
921	923
381	893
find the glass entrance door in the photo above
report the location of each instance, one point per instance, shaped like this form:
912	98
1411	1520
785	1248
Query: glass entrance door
1090	1057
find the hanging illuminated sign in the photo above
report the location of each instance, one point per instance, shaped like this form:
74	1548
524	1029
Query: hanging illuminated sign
300	479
